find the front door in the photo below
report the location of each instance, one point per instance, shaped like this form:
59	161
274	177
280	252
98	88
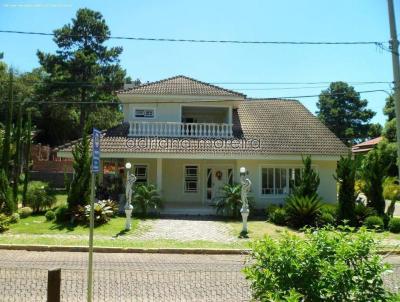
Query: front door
217	177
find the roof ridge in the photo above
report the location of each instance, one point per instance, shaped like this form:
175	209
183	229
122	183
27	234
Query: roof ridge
184	77
272	99
211	85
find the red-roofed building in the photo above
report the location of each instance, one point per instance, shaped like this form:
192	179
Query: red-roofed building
364	147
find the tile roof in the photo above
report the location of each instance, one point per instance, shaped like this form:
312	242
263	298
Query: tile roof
261	127
367	145
180	85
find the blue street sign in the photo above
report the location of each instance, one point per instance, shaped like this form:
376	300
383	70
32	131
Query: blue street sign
96	151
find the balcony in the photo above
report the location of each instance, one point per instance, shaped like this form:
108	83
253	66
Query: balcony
176	129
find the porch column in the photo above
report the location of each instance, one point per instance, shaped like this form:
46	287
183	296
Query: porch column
159	174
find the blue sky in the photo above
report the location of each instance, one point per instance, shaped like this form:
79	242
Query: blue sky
284	20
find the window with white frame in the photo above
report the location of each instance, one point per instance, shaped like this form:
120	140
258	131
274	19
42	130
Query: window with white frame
279	181
141	174
144	113
191	179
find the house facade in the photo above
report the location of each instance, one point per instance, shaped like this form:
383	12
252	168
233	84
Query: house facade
189	138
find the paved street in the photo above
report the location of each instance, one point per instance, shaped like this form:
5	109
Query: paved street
125	277
133	277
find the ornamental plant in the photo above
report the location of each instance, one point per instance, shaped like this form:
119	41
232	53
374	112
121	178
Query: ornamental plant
39	196
309	180
328	264
345	176
146	197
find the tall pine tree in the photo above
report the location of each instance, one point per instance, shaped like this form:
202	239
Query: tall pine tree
342	110
83	70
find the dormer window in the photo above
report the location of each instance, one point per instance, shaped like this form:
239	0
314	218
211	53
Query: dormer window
144	113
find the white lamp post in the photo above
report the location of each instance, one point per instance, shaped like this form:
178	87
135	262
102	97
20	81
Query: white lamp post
246	184
130	180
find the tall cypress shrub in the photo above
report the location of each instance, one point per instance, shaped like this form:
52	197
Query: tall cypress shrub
79	192
309	180
6	202
5	161
345	176
17	156
27	156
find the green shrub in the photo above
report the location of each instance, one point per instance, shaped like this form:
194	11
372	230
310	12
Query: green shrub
103	211
270	209
394	225
4	222
345	177
325	218
146	197
303	210
62	213
14	218
50	215
25	212
39	196
361	212
329	208
374	222
278	216
327	265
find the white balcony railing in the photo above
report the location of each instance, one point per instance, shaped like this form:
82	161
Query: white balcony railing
175	129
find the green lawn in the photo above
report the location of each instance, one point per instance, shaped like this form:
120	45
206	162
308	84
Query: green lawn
35	230
38	225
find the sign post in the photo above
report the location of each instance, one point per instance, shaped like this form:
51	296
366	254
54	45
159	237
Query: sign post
95	169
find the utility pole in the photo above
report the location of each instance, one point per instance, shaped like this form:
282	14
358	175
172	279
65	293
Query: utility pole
394	46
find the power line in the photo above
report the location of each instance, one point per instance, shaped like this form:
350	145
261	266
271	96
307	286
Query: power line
150	39
282	98
82	83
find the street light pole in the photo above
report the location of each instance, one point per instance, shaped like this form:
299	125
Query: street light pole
394	46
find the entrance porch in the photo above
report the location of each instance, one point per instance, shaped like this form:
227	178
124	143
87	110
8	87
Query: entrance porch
185	186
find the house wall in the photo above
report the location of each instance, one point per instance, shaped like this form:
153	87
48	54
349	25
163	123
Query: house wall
173	178
326	170
165	112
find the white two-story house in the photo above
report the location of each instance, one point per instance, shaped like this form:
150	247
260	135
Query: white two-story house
189	138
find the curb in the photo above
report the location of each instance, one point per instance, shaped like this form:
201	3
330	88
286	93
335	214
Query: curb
194	251
54	248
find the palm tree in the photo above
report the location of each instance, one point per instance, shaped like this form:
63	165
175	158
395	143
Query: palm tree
145	197
230	202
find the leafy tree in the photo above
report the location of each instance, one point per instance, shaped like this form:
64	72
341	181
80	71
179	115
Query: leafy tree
391	191
342	110
389	131
375	130
79	192
345	176
389	109
82	70
309	180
